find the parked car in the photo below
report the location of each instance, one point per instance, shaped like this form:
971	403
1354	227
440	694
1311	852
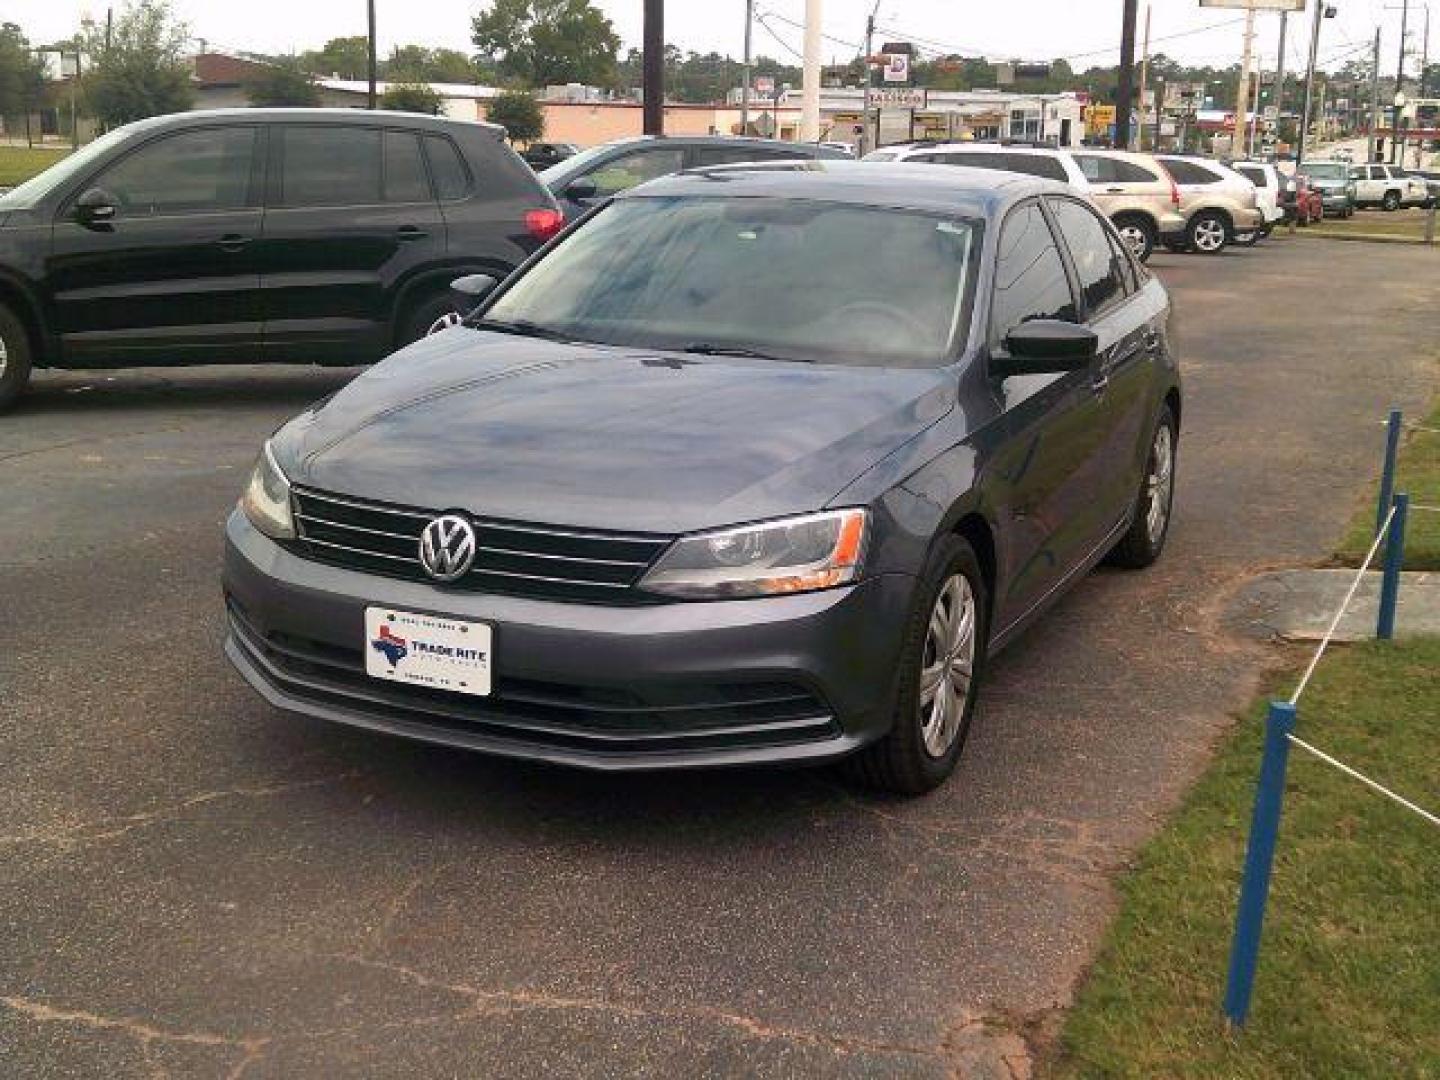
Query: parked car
1131	189
1269	182
1432	185
1331	180
1301	202
295	235
1217	202
1388	186
541	155
594	175
844	149
586	528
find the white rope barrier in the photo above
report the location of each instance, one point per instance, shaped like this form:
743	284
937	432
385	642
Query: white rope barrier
1344	604
1427	509
1348	771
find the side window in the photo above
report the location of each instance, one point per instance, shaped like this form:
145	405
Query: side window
1036	165
329	166
1127	172
706	156
1256	176
1377	172
1030	281
1101	279
405	179
452	179
624	172
1187	172
192	172
1097	170
980	160
1129	274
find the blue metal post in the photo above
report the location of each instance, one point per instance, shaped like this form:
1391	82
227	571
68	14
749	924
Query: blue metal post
1394	561
1259	857
1387	474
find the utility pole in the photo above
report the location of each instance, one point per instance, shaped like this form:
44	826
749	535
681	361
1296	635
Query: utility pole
749	78
1279	101
810	81
1253	125
866	80
1242	95
654	67
1375	100
1125	85
1144	78
371	103
1309	83
1397	152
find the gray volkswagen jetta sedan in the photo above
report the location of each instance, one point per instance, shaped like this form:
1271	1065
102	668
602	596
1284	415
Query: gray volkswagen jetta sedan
751	465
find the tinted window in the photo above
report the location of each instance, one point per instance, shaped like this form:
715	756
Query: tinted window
1096	265
452	180
329	166
1096	169
192	172
972	160
405	179
706	156
1030	281
626	171
1036	165
1129	173
1254	174
1128	269
1188	172
1377	172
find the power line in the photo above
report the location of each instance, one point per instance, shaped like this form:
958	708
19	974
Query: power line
801	26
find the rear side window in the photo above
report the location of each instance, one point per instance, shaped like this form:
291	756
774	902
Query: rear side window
1258	177
625	171
452	179
189	173
1127	172
1188	172
329	166
1036	165
1097	264
1030	281
707	156
1099	169
405	180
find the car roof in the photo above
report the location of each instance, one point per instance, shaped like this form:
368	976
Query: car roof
713	140
979	193
985	147
364	117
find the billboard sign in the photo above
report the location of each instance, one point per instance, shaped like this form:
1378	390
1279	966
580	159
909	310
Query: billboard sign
898	99
897	67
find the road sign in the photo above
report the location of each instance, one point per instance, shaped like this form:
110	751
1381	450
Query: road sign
897	98
897	68
765	85
1271	113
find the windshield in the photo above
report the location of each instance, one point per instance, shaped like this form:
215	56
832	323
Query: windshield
790	279
38	186
1328	171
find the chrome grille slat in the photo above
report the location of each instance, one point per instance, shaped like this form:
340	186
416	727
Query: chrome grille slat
560	558
354	528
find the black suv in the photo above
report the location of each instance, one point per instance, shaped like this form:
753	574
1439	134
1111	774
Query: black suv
594	175
294	235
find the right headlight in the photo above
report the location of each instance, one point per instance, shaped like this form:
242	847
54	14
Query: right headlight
266	501
789	555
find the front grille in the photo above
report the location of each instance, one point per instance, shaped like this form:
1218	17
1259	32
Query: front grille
692	715
514	558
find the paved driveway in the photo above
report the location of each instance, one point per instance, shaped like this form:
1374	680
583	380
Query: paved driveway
192	883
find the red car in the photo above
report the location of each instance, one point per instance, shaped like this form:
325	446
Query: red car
1301	202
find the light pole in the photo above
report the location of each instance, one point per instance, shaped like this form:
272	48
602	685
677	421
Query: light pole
810	84
865	83
1322	11
1125	84
745	90
654	67
1397	152
370	58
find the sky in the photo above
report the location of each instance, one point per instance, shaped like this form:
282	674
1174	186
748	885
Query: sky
1086	31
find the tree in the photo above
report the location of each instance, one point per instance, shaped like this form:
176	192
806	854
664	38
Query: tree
542	42
284	84
138	69
519	114
22	76
342	57
416	63
412	97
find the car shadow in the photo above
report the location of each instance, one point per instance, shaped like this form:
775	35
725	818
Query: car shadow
144	389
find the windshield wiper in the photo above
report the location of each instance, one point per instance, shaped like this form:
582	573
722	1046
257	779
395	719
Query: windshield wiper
522	327
706	348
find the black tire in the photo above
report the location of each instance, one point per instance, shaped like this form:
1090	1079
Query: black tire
1208	232
900	762
1141	545
1139	234
15	358
1391	202
423	316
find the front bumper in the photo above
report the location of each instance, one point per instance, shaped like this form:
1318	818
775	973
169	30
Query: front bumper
804	678
1336	200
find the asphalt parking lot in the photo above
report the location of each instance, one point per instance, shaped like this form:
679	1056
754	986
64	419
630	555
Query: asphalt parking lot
194	884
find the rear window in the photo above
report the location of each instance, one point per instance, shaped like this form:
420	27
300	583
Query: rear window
1036	165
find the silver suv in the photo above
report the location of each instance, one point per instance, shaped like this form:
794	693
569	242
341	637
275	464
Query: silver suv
1217	203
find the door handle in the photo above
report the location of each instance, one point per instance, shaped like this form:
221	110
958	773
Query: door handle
410	232
232	242
1115	191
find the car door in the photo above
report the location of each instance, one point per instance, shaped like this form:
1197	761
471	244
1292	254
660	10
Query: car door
172	277
624	170
350	215
1126	346
1045	472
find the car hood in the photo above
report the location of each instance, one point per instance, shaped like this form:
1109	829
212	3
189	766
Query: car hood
603	437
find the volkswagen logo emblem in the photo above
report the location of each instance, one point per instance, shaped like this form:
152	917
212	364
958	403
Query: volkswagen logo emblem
447	548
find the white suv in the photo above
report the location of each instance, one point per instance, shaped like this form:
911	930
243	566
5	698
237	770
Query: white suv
1031	160
1388	186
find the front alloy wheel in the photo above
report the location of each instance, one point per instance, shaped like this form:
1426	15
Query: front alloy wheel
948	666
1145	539
15	358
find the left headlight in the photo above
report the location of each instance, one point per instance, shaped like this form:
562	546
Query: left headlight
791	555
266	501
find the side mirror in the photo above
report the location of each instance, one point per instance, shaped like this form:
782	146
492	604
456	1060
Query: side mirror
581	189
95	207
1045	346
466	293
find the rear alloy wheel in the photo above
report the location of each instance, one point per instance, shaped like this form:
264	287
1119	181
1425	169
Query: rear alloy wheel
1145	539
938	677
1138	234
15	358
1208	233
1391	202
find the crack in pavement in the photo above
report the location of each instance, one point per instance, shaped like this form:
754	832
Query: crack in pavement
254	1046
70	444
73	836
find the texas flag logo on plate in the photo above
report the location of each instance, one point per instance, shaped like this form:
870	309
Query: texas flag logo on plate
391	645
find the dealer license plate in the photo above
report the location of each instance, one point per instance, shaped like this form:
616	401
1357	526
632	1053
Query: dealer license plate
428	650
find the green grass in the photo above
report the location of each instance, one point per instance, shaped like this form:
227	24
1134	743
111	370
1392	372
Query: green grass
19	163
1418	472
1349	979
1406	224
